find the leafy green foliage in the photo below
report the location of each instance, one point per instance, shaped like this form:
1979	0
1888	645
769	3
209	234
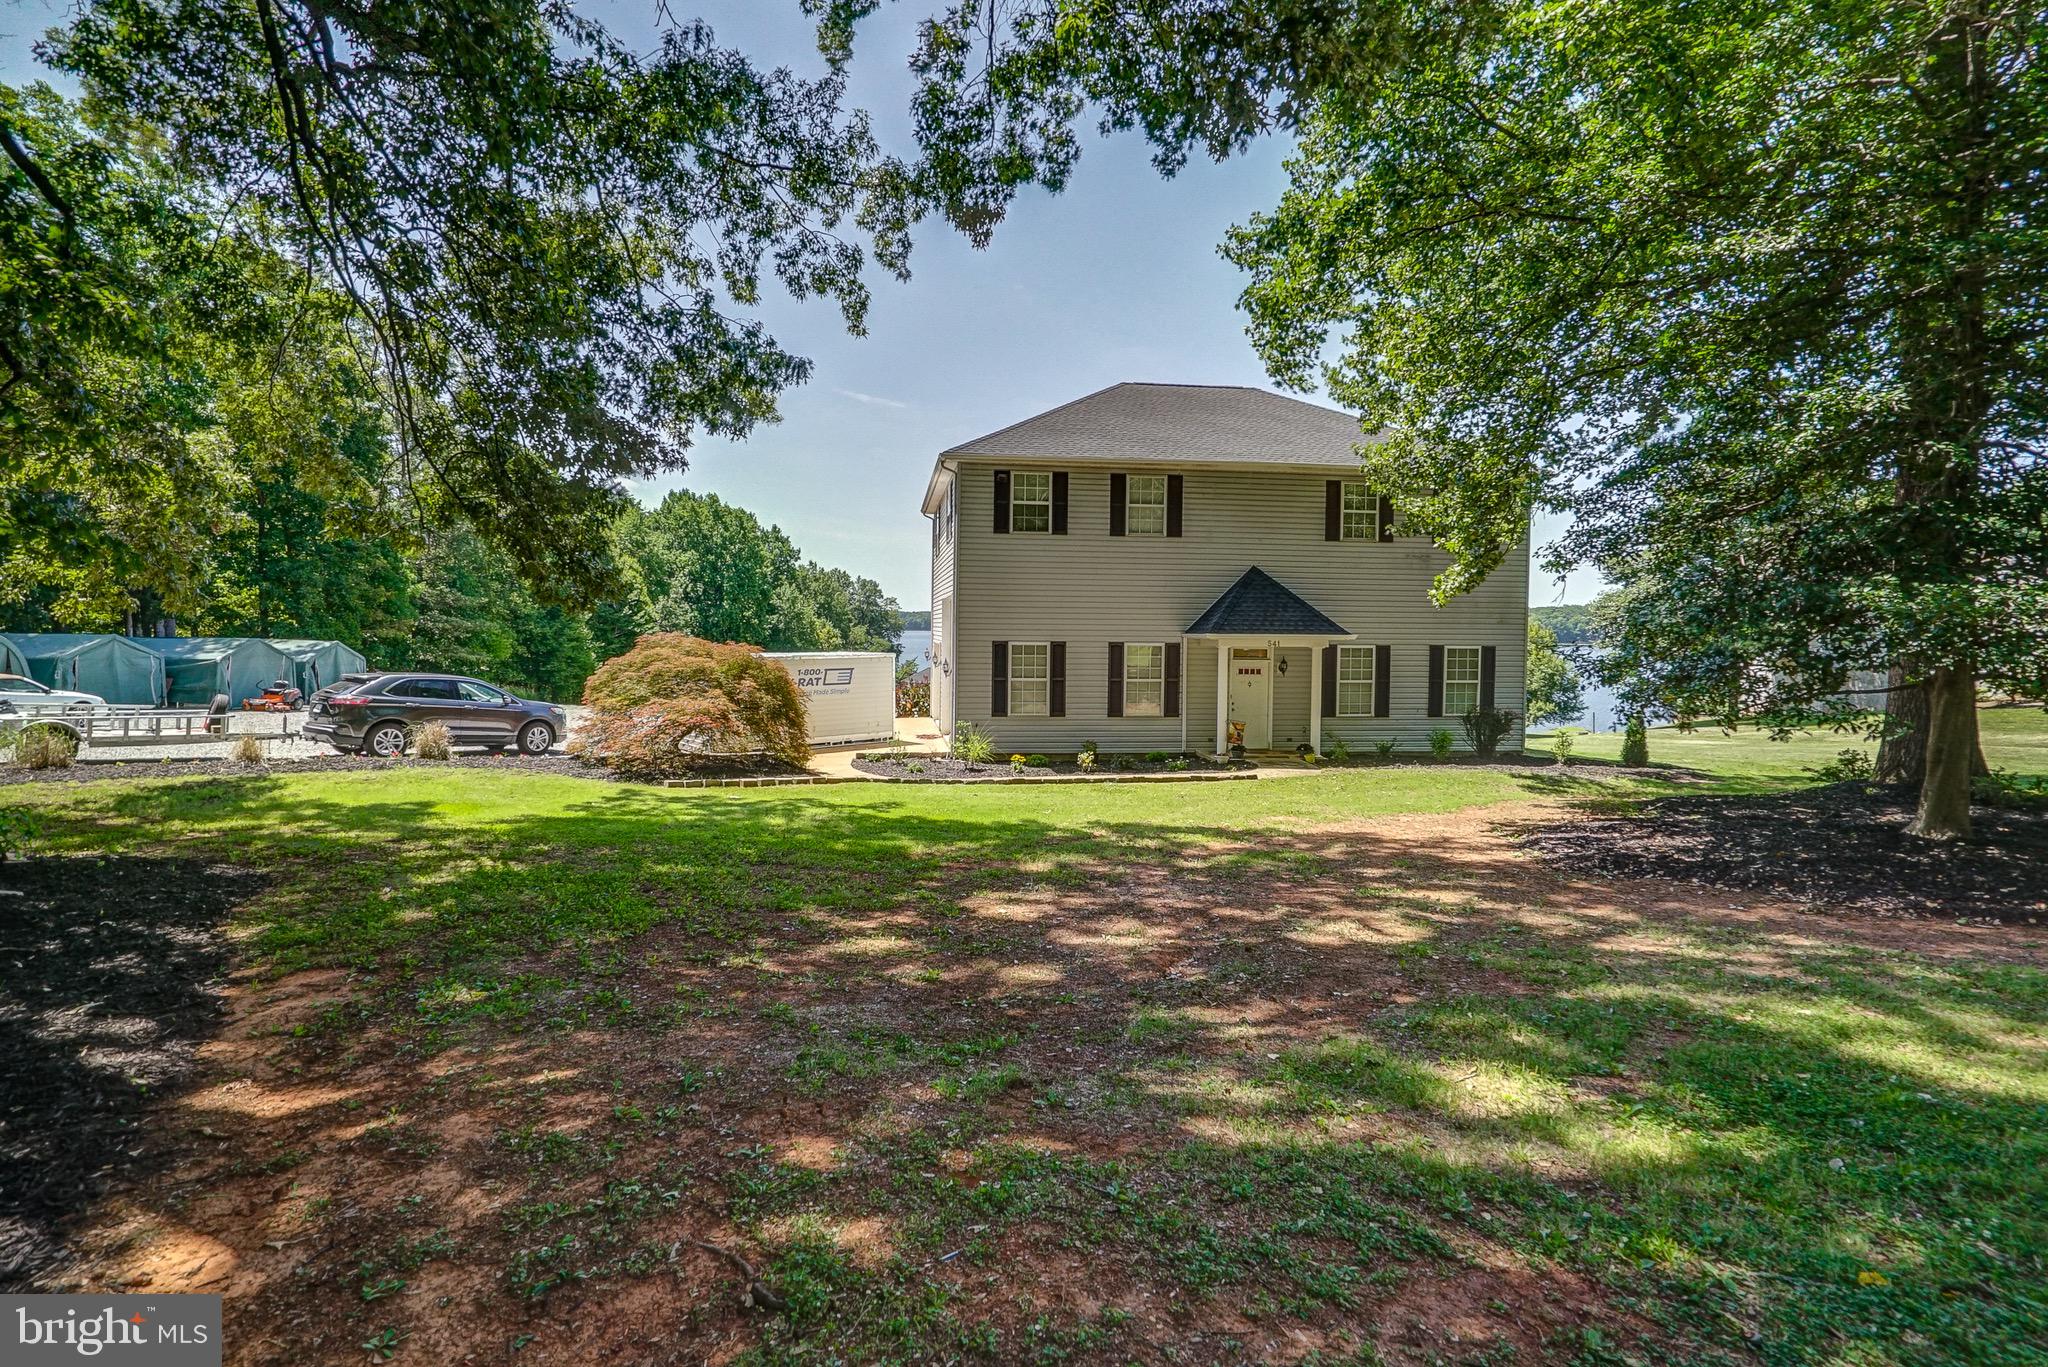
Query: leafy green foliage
972	745
546	239
699	565
1553	689
1441	741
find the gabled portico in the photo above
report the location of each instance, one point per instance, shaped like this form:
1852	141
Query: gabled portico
1249	623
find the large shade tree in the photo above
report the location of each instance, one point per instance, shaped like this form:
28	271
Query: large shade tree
548	241
1759	294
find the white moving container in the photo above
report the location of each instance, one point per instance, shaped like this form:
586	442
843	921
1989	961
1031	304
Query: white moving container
851	693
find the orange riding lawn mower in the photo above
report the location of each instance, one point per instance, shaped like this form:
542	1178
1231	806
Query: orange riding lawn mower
278	697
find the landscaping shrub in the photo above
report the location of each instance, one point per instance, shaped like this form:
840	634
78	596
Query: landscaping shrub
1635	744
45	747
1847	766
1156	757
675	703
1561	745
1383	750
1340	753
1440	742
248	750
1086	760
972	745
1486	728
432	741
18	829
1038	761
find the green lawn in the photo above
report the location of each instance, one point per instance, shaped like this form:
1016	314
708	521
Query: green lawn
1321	1069
2015	738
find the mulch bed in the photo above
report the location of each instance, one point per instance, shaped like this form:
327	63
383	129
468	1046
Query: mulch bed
935	767
565	766
111	973
1841	847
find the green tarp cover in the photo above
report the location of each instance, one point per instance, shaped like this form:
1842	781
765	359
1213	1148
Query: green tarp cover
320	663
114	667
196	668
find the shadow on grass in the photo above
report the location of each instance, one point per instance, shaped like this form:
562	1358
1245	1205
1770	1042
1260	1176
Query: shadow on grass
110	978
1273	1065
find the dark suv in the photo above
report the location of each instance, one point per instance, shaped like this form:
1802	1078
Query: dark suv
378	716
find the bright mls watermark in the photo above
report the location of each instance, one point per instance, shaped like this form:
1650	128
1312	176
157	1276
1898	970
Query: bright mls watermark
164	1331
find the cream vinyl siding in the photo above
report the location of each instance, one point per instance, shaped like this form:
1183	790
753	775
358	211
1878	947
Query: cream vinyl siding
1087	588
945	659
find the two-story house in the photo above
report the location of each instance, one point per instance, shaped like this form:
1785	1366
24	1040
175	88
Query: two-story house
1181	567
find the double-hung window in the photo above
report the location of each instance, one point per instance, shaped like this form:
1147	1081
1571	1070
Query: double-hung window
1145	505
1031	501
1354	681
1030	679
1461	680
1144	681
1361	514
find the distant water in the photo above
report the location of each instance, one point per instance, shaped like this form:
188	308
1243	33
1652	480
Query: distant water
914	646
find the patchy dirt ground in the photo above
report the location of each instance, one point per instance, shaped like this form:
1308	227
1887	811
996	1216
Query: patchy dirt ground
111	978
1107	1112
1842	847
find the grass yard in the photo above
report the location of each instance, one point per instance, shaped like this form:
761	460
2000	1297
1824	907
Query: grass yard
1321	1070
2015	738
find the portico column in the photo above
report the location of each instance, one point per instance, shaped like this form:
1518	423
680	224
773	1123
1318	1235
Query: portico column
1315	698
1222	696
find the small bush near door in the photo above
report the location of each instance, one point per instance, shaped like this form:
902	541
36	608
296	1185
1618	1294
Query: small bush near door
1486	728
1440	742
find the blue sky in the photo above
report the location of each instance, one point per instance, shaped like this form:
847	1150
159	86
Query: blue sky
1116	279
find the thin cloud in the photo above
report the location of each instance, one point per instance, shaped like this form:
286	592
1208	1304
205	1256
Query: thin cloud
875	399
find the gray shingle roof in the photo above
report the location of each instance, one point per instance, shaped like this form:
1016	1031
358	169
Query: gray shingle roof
1180	423
1259	604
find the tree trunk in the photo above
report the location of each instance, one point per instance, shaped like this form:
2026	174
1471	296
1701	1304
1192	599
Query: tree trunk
1944	811
1902	753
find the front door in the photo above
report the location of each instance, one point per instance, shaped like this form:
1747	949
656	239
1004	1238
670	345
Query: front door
1251	697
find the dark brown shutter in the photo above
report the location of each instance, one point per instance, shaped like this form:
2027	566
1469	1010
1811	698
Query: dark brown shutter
1328	664
1173	675
1386	518
1486	660
1333	510
1056	683
1116	678
1002	501
1436	681
1382	678
1119	492
999	680
1059	503
1173	495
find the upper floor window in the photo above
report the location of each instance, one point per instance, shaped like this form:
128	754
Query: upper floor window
1355	681
1030	679
1361	513
1145	505
1031	501
1144	681
1461	680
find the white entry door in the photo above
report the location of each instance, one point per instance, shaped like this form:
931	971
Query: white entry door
1251	696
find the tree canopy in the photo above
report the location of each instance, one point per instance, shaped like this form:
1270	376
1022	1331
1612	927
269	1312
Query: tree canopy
545	243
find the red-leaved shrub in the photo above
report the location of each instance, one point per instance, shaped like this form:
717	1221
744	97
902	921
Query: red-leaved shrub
674	704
